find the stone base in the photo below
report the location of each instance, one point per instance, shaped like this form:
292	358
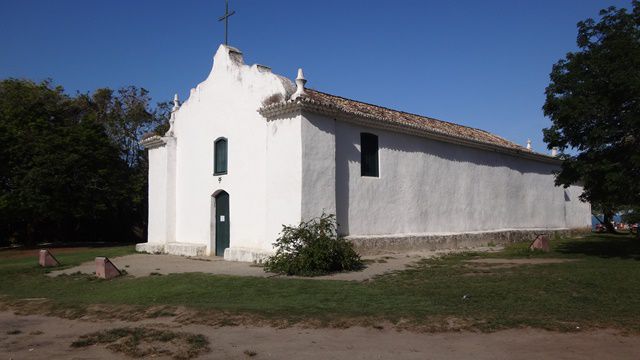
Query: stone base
246	254
185	249
46	259
105	269
540	243
380	244
150	248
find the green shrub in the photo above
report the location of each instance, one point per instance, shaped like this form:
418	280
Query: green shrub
312	248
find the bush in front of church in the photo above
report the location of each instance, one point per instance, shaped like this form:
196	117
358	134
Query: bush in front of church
313	248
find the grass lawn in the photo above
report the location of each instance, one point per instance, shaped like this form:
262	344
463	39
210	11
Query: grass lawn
599	288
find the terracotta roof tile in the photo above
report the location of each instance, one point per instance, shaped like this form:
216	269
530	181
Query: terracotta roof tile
413	120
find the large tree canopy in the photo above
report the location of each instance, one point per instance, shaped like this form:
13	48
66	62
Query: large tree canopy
70	167
593	101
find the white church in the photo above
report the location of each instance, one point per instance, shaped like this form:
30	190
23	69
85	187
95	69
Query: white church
250	150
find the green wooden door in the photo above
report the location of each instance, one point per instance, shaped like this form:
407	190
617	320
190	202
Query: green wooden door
222	223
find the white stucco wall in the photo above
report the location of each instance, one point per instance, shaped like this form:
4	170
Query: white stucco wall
157	233
318	166
224	105
283	182
431	187
577	213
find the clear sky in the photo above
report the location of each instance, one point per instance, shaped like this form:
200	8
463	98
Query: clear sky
483	64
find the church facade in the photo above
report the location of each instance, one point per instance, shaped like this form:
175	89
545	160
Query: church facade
250	150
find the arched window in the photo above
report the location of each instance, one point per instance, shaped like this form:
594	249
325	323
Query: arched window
220	156
368	155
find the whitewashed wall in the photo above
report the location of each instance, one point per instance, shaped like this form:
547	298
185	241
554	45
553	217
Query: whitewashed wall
577	213
318	166
283	182
431	187
157	233
225	104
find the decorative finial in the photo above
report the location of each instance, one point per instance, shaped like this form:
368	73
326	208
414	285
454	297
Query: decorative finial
300	82
176	106
528	144
176	103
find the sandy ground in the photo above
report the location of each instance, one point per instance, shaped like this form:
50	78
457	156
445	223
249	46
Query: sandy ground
42	337
144	264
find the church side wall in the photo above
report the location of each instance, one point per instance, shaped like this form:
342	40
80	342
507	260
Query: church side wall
431	187
577	213
318	166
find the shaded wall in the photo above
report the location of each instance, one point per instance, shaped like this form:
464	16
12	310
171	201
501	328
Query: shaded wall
426	186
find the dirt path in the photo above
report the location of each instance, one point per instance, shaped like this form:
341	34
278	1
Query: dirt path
41	337
146	264
139	265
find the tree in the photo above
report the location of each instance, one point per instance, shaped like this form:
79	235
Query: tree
593	101
70	167
127	115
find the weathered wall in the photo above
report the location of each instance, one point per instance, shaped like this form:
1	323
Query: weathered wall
431	187
381	244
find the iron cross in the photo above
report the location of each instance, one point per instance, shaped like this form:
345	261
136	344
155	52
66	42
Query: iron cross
226	16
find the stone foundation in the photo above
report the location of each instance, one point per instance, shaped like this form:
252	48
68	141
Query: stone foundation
150	248
380	244
246	254
183	249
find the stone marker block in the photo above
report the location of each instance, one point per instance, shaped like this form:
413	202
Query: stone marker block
540	243
105	268
46	259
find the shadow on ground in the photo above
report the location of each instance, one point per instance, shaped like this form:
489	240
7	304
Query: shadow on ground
604	246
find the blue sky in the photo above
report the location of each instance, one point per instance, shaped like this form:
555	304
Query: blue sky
483	64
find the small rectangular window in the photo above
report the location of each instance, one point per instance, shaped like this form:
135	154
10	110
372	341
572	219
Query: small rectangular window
368	155
220	156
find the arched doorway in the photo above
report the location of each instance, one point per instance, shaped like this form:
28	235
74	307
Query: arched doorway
221	222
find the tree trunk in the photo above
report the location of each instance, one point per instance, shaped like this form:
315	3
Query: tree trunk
29	238
608	216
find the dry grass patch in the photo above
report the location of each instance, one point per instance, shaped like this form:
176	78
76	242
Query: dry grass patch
139	342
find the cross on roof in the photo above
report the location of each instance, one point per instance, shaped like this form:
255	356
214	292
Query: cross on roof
225	17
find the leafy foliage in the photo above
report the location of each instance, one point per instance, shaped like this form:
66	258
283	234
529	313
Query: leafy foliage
593	101
70	167
312	248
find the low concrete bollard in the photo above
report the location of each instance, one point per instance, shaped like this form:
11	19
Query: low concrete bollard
540	243
105	269
46	259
